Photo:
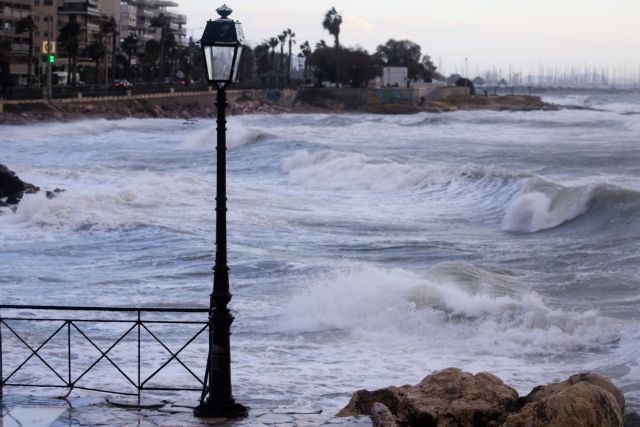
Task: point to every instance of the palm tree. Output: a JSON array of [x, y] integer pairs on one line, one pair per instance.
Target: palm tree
[[305, 49], [161, 22], [109, 28], [332, 22], [130, 46], [150, 56], [282, 37], [291, 35], [96, 51], [5, 64], [273, 43], [25, 25], [170, 46], [68, 37]]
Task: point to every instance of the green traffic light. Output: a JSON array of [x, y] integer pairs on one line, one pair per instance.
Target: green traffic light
[[52, 58]]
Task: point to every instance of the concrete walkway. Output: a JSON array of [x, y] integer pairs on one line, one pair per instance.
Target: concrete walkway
[[19, 410]]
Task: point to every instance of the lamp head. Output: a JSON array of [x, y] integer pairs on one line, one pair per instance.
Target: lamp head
[[222, 45]]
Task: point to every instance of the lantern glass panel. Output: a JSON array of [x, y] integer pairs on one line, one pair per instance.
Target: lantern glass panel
[[236, 66], [219, 62]]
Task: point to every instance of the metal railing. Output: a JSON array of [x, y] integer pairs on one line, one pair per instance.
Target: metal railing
[[70, 333]]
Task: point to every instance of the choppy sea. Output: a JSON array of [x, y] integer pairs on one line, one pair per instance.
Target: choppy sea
[[365, 250]]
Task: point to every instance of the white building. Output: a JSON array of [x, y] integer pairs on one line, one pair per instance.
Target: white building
[[395, 76]]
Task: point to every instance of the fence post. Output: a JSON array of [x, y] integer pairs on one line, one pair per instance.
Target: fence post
[[69, 352], [139, 354], [1, 355]]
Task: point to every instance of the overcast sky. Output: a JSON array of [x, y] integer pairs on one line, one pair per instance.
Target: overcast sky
[[490, 33]]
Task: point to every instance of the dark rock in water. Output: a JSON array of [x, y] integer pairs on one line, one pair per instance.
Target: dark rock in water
[[51, 194], [452, 397], [13, 188]]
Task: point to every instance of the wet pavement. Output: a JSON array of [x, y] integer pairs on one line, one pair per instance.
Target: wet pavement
[[32, 411]]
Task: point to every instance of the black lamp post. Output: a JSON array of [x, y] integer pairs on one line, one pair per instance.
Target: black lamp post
[[222, 45]]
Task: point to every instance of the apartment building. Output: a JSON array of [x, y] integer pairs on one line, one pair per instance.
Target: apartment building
[[136, 17], [11, 11], [131, 17]]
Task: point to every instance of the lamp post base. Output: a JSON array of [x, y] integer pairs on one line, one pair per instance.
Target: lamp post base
[[220, 409]]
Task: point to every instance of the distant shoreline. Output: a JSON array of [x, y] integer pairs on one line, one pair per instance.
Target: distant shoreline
[[191, 105]]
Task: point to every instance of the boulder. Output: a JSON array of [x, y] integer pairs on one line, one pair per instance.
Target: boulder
[[362, 401], [583, 400], [452, 397], [382, 416], [13, 188], [449, 397]]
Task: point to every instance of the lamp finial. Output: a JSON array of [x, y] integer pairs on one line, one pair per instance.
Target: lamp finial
[[224, 11]]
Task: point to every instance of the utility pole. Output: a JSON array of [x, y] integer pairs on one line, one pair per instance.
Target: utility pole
[[49, 27]]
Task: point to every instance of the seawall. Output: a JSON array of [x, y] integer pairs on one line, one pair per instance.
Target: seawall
[[201, 103]]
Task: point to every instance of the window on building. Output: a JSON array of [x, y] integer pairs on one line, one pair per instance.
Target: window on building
[[48, 2]]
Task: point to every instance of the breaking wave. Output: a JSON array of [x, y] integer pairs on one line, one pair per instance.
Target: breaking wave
[[453, 304], [204, 140], [542, 205], [336, 170]]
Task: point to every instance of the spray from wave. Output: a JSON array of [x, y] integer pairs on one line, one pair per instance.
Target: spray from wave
[[453, 304], [126, 200]]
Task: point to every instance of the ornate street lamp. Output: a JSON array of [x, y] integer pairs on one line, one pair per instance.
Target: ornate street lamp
[[222, 45]]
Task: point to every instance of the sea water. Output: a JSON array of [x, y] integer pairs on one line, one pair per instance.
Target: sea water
[[365, 250]]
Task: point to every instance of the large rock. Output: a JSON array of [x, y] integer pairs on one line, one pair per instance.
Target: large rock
[[452, 397], [13, 188], [582, 400], [382, 416], [447, 398]]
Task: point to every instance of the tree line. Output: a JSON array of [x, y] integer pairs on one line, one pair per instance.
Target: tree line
[[338, 65]]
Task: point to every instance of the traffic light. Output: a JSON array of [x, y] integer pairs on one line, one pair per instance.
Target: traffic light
[[52, 58]]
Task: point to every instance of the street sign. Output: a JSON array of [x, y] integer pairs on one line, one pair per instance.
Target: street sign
[[48, 49]]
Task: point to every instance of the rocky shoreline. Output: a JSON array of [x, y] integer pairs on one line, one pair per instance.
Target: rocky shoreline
[[202, 106], [451, 397]]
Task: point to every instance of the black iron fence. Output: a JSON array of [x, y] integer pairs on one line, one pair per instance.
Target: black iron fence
[[61, 92], [142, 88], [70, 343]]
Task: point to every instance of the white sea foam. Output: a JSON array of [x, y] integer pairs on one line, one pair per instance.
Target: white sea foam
[[439, 308], [334, 170], [144, 198]]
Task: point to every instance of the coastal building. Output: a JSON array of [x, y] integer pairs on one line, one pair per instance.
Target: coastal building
[[137, 17], [17, 45], [131, 17], [395, 76]]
